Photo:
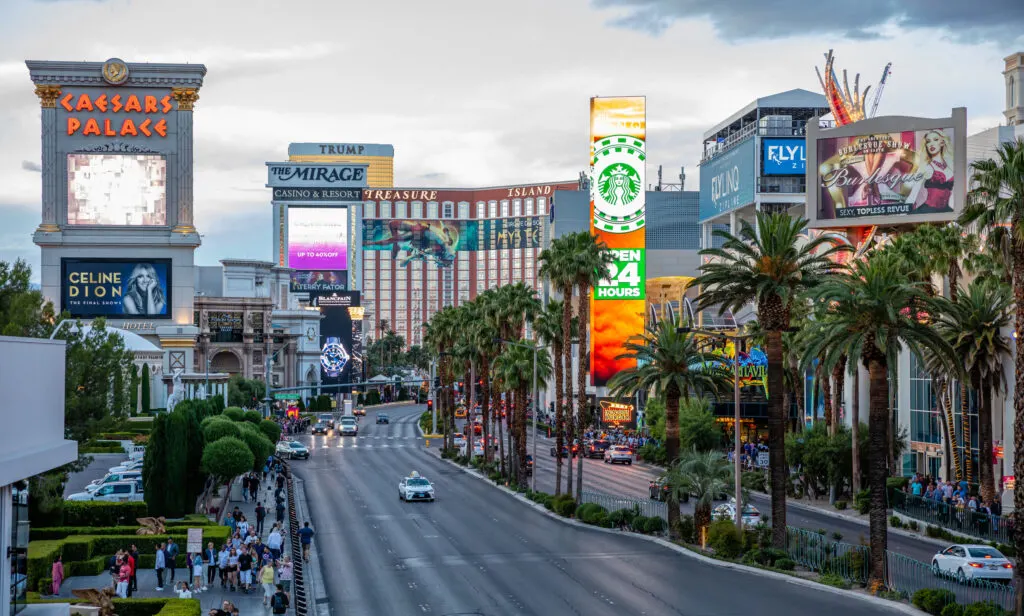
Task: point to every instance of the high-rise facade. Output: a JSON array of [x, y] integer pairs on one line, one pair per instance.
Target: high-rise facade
[[379, 158]]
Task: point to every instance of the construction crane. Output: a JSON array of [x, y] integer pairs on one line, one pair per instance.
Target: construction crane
[[880, 89]]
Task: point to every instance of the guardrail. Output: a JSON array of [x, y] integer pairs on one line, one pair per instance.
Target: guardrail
[[300, 597], [647, 507], [909, 576], [965, 521], [817, 553]]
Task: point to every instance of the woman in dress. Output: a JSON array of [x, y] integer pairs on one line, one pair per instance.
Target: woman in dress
[[284, 574], [936, 165], [197, 572], [57, 573], [142, 293]]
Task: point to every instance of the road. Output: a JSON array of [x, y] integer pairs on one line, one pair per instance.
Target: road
[[480, 551]]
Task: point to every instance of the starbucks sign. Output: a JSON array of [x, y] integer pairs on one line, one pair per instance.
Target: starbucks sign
[[617, 184]]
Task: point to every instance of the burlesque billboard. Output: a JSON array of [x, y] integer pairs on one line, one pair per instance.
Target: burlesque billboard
[[116, 288]]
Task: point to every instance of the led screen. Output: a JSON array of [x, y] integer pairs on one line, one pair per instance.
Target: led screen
[[116, 288], [317, 238], [117, 189]]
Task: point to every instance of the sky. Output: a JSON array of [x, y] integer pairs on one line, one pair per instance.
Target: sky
[[475, 92]]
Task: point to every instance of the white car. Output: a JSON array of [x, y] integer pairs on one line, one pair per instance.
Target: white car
[[415, 488], [348, 426], [727, 511], [460, 439], [478, 449], [618, 454], [292, 450], [972, 562], [120, 491], [112, 478], [127, 465]]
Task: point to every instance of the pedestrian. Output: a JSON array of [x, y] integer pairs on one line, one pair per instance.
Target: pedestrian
[[279, 602], [245, 488], [131, 567], [210, 557], [183, 591], [160, 564], [197, 572], [261, 514], [274, 542], [267, 579], [280, 511], [56, 575], [222, 564], [172, 556], [114, 569], [306, 538], [233, 569], [243, 527], [124, 574], [266, 469], [280, 482], [245, 570], [284, 574], [254, 486]]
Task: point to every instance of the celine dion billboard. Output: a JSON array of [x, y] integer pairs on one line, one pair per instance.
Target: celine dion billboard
[[889, 170], [116, 288]]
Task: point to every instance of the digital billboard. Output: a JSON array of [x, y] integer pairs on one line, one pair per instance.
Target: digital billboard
[[617, 413], [783, 156], [337, 352], [430, 241], [318, 238], [116, 288], [506, 233], [319, 282], [618, 178], [117, 189], [904, 173], [727, 181]]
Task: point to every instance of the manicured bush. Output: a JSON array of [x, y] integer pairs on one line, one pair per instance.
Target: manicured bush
[[100, 449], [270, 429], [984, 608], [218, 427], [841, 505], [933, 531], [933, 600], [253, 417], [953, 609], [592, 513], [831, 579], [724, 538], [227, 457], [234, 413], [259, 445], [895, 521], [912, 524], [178, 607], [862, 501], [564, 505], [622, 517], [95, 513], [785, 564], [648, 525], [768, 557]]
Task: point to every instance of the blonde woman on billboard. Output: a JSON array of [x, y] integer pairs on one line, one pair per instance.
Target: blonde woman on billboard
[[936, 166], [142, 293]]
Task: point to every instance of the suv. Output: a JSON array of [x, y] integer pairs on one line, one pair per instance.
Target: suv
[[595, 449], [659, 490], [116, 492], [112, 478], [326, 418], [320, 428], [348, 426]]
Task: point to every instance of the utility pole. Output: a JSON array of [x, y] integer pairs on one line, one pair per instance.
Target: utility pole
[[536, 419], [470, 403], [433, 401]]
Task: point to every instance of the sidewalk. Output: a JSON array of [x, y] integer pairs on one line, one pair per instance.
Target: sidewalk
[[248, 604]]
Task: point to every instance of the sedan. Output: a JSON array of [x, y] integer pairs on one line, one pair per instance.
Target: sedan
[[382, 418], [595, 449], [459, 439], [320, 428], [727, 511], [972, 562], [565, 452], [359, 412], [414, 489], [127, 466], [292, 450], [618, 454]]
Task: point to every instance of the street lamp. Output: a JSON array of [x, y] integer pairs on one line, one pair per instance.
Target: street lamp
[[60, 326], [735, 339], [536, 409]]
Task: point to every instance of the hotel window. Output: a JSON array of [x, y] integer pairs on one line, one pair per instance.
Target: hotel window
[[463, 276], [369, 295], [481, 209], [449, 210], [385, 296], [492, 207], [529, 207], [385, 273], [517, 207], [369, 209], [432, 284], [400, 306], [432, 298], [431, 209], [463, 296], [464, 209], [924, 414], [399, 287], [541, 206], [385, 209], [401, 210], [504, 208], [417, 209], [481, 275]]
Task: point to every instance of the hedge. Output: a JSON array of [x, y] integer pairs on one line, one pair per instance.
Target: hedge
[[60, 532], [98, 513], [138, 607], [96, 449]]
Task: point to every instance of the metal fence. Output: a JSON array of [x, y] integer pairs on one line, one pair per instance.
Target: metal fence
[[647, 507], [818, 553], [982, 525], [909, 576]]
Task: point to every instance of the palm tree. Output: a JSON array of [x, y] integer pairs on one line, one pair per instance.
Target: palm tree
[[440, 338], [866, 320], [672, 365], [515, 305], [972, 325], [418, 357], [484, 333], [768, 266], [703, 475], [549, 328], [948, 246], [556, 268], [515, 364]]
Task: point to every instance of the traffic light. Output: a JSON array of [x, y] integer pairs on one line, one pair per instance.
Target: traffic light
[[430, 405], [437, 382]]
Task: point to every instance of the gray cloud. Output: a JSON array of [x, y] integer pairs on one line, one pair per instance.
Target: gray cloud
[[28, 165], [1002, 20]]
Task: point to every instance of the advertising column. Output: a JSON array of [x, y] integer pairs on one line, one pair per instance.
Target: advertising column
[[618, 132]]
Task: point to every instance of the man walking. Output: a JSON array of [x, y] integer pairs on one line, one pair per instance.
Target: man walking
[[279, 602], [210, 556], [171, 556], [133, 584], [306, 538], [245, 488], [161, 563], [274, 542], [280, 511], [261, 514]]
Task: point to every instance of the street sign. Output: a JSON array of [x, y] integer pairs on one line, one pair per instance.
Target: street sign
[[195, 540], [286, 395], [762, 459]]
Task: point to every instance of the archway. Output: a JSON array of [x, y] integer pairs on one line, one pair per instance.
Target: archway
[[226, 361]]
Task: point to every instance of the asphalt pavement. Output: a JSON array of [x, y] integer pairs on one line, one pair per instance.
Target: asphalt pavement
[[100, 465], [480, 551]]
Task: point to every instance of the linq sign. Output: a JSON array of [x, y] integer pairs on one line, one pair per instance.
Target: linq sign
[[117, 126]]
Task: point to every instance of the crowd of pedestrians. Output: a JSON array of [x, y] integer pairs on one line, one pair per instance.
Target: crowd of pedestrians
[[951, 504]]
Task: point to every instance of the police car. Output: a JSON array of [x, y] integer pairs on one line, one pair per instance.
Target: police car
[[415, 488]]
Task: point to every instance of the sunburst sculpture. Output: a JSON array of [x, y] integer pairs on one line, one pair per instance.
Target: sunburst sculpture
[[151, 526], [103, 599]]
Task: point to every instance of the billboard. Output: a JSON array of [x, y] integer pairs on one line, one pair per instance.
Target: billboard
[[319, 282], [430, 241], [117, 189], [783, 156], [336, 336], [617, 413], [887, 171], [116, 288], [727, 181], [316, 175], [618, 178], [505, 233], [318, 238]]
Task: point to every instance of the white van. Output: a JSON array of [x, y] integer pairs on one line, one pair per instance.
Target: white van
[[116, 492], [112, 478]]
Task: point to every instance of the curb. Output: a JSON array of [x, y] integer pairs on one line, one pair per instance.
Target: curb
[[876, 601], [317, 590]]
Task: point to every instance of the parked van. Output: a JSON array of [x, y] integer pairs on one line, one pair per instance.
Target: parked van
[[114, 477], [115, 492]]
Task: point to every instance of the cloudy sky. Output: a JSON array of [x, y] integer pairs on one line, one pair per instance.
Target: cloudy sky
[[476, 92]]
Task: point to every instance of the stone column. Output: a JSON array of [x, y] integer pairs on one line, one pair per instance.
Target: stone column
[[48, 95], [186, 98]]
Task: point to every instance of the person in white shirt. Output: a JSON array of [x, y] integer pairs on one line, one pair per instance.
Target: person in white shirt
[[183, 591], [274, 542]]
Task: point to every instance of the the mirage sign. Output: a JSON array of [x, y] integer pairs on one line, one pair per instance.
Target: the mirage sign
[[315, 175]]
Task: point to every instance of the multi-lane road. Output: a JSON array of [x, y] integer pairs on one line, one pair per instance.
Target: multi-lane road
[[480, 551]]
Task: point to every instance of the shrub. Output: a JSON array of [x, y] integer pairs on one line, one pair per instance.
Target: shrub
[[984, 608], [838, 536], [841, 505], [895, 522], [896, 483], [725, 539], [253, 417], [227, 457], [218, 427], [912, 524], [564, 505], [258, 444], [622, 517], [785, 564], [863, 501], [755, 480], [831, 579], [1007, 550], [933, 531], [649, 525], [686, 529], [234, 413], [933, 600], [953, 609], [93, 513]]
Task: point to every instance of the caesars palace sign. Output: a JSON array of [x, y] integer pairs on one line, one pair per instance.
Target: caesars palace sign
[[117, 125]]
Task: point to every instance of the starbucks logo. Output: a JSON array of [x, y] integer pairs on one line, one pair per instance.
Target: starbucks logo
[[617, 184]]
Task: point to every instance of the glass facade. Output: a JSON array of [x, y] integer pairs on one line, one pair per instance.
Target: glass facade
[[19, 545], [925, 419]]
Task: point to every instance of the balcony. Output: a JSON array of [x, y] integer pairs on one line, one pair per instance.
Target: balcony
[[782, 185], [796, 128]]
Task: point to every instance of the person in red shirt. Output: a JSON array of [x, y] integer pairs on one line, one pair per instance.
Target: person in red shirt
[[130, 561], [124, 573]]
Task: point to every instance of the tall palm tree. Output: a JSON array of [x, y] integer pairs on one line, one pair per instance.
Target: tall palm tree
[[972, 324], [948, 246], [484, 333], [440, 338], [866, 320], [769, 266], [703, 475], [672, 365], [516, 305], [591, 263], [549, 328], [556, 268], [515, 363]]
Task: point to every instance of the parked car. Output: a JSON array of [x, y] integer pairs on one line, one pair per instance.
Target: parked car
[[727, 511], [117, 492], [113, 477], [973, 562], [126, 466]]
